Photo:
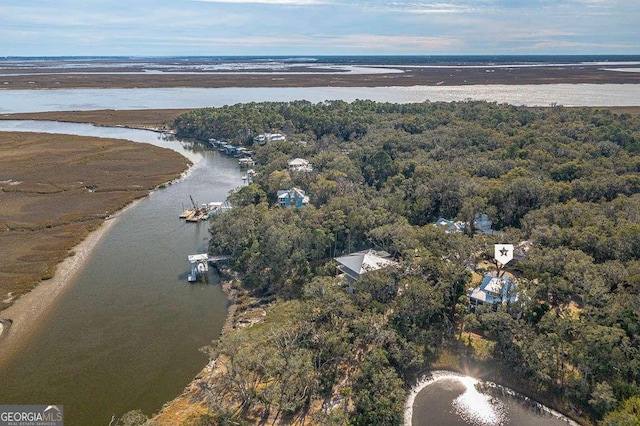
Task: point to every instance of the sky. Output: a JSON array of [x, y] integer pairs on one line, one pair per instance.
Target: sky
[[318, 27]]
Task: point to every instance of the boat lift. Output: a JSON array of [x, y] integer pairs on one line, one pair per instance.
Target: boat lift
[[199, 265]]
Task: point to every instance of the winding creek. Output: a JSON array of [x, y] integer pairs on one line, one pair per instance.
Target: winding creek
[[126, 333]]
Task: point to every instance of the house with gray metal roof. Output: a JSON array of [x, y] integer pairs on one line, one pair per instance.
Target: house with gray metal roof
[[356, 264]]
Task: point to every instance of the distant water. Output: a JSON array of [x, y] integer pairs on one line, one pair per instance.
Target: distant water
[[74, 61], [12, 101], [88, 99]]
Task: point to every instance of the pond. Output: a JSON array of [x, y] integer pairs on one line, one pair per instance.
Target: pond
[[445, 398]]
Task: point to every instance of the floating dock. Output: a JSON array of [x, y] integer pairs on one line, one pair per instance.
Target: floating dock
[[205, 211]]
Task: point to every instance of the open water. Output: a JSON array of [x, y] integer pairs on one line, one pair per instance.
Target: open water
[[531, 95]]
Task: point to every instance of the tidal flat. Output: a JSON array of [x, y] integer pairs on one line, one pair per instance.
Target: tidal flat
[[156, 73]]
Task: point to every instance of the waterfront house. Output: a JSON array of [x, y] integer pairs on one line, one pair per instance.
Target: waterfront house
[[356, 264], [292, 197], [299, 165], [269, 137], [492, 290]]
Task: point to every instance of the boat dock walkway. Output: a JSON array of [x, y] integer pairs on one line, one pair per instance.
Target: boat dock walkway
[[220, 258]]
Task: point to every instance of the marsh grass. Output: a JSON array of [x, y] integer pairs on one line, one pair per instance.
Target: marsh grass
[[50, 210]]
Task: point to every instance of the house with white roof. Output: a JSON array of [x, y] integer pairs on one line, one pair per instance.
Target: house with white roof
[[449, 226], [481, 223], [492, 290], [269, 137], [299, 165], [356, 264]]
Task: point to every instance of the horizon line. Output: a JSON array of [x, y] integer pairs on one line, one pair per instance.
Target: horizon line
[[312, 56]]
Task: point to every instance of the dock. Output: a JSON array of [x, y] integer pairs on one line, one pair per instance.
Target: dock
[[205, 211], [244, 155], [246, 162], [199, 265]]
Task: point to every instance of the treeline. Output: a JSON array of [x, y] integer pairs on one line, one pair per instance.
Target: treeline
[[566, 179], [239, 123]]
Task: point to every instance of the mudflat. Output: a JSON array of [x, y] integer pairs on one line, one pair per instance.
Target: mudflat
[[56, 189], [449, 75]]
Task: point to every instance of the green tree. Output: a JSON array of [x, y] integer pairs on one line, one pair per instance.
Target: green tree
[[628, 414], [378, 392]]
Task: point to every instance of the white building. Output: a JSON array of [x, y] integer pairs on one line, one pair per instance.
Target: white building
[[269, 137], [492, 290], [299, 165]]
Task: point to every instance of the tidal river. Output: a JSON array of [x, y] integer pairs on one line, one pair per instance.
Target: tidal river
[[126, 333], [525, 94]]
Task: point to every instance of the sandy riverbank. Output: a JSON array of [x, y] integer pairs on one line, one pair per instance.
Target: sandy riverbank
[[44, 248], [244, 311], [28, 313]]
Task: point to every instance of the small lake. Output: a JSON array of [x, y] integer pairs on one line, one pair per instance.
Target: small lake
[[126, 333], [533, 95], [450, 399]]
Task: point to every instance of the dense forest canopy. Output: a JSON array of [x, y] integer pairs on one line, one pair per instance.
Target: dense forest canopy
[[566, 180]]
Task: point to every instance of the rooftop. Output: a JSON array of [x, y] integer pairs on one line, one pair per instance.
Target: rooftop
[[361, 262], [494, 290]]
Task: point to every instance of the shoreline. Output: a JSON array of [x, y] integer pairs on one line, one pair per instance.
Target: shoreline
[[155, 120], [181, 406], [28, 312], [20, 321]]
